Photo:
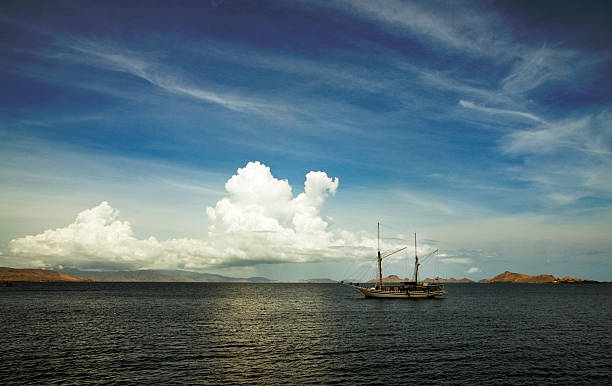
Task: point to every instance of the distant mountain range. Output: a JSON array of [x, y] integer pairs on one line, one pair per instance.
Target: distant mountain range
[[159, 275], [15, 274]]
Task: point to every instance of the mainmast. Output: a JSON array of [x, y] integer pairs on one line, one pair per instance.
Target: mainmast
[[416, 262], [379, 261]]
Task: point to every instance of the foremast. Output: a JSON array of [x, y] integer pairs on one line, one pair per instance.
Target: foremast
[[380, 257], [380, 282], [416, 262]]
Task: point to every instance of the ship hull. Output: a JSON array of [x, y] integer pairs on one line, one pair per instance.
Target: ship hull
[[401, 294]]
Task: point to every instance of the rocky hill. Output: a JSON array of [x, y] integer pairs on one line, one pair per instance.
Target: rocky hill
[[513, 277], [15, 274], [389, 279]]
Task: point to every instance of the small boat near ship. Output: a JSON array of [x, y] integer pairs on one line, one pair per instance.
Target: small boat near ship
[[401, 290]]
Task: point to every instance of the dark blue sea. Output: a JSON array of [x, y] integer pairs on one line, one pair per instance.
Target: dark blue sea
[[79, 333]]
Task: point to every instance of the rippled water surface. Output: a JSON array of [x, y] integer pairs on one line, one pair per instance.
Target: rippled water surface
[[303, 333]]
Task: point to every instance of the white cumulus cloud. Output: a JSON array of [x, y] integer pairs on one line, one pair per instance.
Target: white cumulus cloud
[[258, 221]]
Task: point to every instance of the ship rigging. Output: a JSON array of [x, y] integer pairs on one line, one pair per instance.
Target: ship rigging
[[402, 290]]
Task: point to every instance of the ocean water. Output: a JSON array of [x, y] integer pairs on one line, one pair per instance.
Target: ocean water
[[303, 333]]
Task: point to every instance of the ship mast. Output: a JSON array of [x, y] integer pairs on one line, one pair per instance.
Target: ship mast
[[379, 261], [380, 257], [416, 262]]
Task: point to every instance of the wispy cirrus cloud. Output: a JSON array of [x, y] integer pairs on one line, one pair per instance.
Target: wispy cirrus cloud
[[449, 83], [538, 66], [588, 134], [460, 28], [111, 56], [424, 203], [564, 198], [567, 160], [493, 110], [329, 71], [119, 59], [476, 31]]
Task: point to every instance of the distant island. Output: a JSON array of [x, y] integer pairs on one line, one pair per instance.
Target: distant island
[[505, 277], [38, 275], [513, 277]]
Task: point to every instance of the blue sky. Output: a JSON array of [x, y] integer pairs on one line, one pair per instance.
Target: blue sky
[[483, 126]]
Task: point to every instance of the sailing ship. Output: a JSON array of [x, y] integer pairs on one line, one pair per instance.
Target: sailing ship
[[402, 290]]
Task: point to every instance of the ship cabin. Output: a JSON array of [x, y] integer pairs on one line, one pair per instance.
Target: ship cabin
[[410, 286]]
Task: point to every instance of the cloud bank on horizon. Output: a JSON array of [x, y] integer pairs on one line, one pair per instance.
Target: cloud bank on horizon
[[258, 222]]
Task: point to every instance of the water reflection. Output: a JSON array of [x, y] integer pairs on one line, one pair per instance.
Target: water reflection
[[302, 333]]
